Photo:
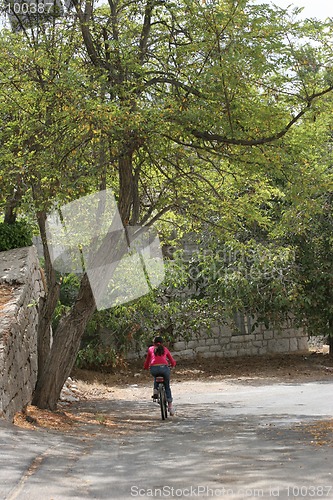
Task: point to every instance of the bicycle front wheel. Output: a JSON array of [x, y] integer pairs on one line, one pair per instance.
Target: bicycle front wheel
[[163, 402]]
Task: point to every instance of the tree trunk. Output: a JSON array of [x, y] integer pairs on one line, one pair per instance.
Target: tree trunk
[[47, 304], [57, 367], [126, 181], [11, 207], [63, 352], [10, 215], [67, 338]]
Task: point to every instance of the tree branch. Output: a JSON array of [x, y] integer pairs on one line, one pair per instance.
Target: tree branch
[[208, 136], [157, 216], [145, 30], [176, 83], [84, 18]]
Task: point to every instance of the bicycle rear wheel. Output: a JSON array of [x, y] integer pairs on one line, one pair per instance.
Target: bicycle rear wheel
[[163, 402]]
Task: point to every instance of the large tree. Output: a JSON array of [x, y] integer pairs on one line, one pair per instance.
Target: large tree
[[160, 101], [306, 218]]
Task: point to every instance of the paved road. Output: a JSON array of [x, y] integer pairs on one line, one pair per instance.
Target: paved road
[[231, 441]]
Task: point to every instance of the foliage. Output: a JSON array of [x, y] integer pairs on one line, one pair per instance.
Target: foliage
[[250, 277], [185, 124], [98, 357], [211, 285], [305, 217], [15, 235], [315, 263], [69, 289], [172, 311], [40, 145]]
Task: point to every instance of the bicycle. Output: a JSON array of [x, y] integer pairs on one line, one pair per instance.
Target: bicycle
[[161, 397]]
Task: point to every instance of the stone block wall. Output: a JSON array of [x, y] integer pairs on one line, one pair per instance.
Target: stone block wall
[[225, 341], [21, 286], [239, 339]]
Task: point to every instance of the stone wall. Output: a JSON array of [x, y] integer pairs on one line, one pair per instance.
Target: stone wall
[[239, 338], [20, 288], [226, 341]]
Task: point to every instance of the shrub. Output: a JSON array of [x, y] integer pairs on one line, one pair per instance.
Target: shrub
[[15, 235], [99, 357]]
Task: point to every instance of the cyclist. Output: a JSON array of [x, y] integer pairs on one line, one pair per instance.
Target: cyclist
[[157, 361]]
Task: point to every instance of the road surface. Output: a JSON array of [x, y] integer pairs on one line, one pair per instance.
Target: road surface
[[227, 440]]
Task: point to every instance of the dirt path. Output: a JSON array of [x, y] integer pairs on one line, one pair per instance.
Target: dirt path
[[261, 369], [103, 401]]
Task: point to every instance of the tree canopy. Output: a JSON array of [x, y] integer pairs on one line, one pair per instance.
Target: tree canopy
[[196, 114]]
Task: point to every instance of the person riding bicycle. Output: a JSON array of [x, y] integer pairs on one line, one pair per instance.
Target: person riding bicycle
[[157, 361]]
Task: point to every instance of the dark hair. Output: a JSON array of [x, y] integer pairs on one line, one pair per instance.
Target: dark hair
[[159, 350], [158, 340]]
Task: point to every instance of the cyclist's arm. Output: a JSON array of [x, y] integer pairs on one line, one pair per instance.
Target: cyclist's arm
[[170, 359], [147, 361]]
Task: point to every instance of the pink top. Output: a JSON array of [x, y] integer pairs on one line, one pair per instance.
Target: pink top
[[152, 360]]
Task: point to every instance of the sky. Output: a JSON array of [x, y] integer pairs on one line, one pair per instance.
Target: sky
[[321, 9]]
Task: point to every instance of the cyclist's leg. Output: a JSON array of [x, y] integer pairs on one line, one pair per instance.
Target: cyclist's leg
[[166, 374], [154, 372]]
